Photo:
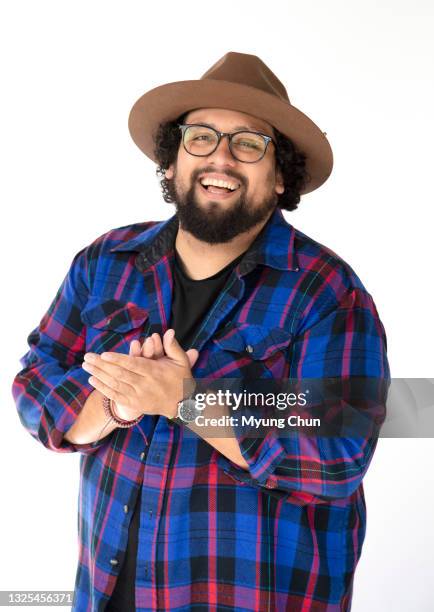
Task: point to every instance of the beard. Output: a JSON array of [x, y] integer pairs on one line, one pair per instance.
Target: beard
[[215, 222]]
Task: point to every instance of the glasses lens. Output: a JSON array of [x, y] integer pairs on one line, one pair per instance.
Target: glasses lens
[[248, 147], [200, 140]]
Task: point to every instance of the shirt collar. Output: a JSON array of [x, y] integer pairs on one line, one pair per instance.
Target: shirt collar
[[273, 246]]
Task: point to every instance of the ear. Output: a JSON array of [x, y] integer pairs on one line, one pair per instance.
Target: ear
[[169, 172], [280, 187]]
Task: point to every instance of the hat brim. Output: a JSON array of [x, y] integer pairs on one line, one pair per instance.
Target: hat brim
[[169, 101]]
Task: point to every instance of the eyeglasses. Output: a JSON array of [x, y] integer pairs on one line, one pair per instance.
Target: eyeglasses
[[202, 140]]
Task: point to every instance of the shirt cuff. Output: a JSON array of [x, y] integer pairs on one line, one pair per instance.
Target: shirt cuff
[[62, 408], [262, 463]]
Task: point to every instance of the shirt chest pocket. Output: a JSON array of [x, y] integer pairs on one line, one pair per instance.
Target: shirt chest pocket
[[250, 351], [112, 324]]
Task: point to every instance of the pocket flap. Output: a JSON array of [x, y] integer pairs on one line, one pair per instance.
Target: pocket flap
[[257, 341], [113, 314]]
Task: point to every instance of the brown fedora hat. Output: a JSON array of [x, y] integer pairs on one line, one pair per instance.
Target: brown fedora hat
[[239, 82]]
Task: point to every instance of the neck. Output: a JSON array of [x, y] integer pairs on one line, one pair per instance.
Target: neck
[[202, 260]]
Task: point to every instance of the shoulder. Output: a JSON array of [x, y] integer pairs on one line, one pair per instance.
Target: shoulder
[[320, 260], [326, 281], [117, 236], [96, 257]]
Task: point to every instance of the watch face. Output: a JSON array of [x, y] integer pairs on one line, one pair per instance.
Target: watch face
[[188, 411]]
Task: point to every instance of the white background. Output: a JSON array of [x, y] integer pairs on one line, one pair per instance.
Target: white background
[[70, 172]]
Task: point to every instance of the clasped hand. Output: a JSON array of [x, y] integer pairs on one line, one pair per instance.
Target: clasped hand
[[151, 379]]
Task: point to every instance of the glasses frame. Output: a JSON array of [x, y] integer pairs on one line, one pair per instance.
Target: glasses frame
[[183, 127]]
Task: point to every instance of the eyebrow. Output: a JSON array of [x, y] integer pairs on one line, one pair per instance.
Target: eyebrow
[[237, 127]]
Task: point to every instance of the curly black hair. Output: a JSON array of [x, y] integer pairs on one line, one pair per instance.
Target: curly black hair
[[291, 162]]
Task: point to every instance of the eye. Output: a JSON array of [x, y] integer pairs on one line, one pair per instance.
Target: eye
[[195, 136], [248, 142], [202, 137], [251, 145]]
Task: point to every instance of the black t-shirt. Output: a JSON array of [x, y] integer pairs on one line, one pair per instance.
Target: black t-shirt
[[191, 301]]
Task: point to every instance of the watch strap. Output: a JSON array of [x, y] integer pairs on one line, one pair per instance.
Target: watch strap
[[177, 419]]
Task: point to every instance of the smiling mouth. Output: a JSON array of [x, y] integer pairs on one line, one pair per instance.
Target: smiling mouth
[[219, 187]]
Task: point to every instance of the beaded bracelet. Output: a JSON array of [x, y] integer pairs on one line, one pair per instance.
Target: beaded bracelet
[[109, 410]]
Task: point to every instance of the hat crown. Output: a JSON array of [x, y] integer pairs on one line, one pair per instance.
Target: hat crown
[[246, 69]]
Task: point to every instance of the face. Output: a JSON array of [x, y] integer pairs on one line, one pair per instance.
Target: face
[[217, 216]]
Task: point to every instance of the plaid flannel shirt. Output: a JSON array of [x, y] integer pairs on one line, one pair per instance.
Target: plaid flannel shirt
[[285, 535]]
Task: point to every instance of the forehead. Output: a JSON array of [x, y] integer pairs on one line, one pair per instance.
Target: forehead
[[228, 120]]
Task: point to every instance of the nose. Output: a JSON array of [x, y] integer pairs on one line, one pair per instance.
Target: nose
[[222, 154]]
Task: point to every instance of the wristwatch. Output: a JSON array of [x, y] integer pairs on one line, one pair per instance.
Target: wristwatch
[[187, 411]]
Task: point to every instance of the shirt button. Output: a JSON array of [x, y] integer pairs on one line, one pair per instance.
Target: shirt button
[[249, 348], [271, 484], [142, 455], [114, 561], [125, 508]]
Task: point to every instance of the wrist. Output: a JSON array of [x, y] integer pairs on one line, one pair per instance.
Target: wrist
[[121, 411], [189, 388], [172, 413], [109, 410]]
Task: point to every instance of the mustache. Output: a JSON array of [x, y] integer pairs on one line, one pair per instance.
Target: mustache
[[209, 170]]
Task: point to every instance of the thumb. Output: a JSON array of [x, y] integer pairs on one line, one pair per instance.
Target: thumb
[[192, 355], [172, 348]]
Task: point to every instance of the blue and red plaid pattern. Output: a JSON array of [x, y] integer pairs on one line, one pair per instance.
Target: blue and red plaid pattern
[[285, 535]]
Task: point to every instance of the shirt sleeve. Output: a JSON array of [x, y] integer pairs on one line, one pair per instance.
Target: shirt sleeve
[[52, 387], [348, 344]]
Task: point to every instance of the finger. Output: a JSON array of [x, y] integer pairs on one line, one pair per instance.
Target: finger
[[158, 346], [115, 376], [135, 348], [115, 396], [148, 348], [138, 365]]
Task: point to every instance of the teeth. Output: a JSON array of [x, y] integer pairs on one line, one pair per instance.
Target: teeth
[[219, 183]]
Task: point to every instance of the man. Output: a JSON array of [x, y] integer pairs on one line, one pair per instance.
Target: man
[[171, 517]]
